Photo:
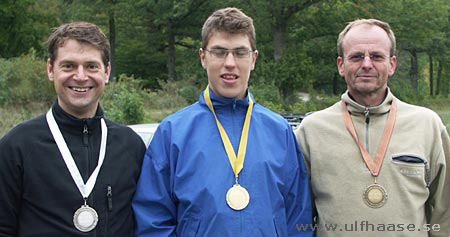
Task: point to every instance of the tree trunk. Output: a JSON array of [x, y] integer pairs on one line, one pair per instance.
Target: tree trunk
[[171, 49], [278, 35], [430, 57], [335, 83], [439, 76], [112, 42], [414, 70]]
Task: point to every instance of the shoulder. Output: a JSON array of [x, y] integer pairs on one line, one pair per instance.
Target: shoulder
[[266, 116], [28, 129], [185, 116], [417, 114], [326, 115]]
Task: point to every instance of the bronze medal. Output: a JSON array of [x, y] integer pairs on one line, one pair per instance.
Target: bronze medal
[[237, 197], [85, 218], [375, 196]]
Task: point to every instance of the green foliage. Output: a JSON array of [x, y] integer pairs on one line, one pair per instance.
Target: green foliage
[[24, 80], [403, 90], [123, 101], [285, 76], [315, 103]]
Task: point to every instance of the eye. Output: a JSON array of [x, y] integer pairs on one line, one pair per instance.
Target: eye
[[66, 66], [356, 57], [92, 67], [220, 53], [241, 53], [377, 57]]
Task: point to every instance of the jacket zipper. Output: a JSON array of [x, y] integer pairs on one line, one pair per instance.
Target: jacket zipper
[[110, 206], [366, 114], [86, 146]]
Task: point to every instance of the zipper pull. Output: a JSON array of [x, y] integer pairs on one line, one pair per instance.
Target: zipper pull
[[85, 135], [366, 113], [109, 195], [85, 129]]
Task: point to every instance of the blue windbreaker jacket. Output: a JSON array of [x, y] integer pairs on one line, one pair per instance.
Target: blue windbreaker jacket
[[186, 174]]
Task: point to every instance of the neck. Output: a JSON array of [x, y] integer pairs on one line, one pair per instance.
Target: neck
[[81, 113], [368, 100]]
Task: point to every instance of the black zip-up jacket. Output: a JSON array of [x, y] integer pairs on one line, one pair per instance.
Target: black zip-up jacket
[[38, 196]]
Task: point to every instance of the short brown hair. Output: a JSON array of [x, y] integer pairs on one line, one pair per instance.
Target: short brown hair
[[374, 22], [229, 20], [80, 31]]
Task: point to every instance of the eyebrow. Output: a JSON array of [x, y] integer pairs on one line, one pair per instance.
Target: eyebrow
[[237, 48], [370, 52], [74, 62]]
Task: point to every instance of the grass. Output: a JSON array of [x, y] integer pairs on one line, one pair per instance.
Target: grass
[[443, 109], [11, 115]]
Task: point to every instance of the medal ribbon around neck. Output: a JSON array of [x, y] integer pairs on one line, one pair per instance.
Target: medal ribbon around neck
[[85, 189], [236, 163], [373, 165]]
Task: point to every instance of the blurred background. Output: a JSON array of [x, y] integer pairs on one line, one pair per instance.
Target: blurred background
[[156, 69]]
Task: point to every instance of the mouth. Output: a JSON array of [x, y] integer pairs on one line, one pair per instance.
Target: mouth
[[80, 89], [229, 78], [364, 76]]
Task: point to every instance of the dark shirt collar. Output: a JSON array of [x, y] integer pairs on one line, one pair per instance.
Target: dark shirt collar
[[68, 122], [224, 102]]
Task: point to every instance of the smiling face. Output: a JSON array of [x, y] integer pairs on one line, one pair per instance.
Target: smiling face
[[366, 77], [228, 77], [79, 77]]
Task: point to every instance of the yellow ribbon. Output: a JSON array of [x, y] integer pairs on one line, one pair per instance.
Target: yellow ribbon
[[236, 163]]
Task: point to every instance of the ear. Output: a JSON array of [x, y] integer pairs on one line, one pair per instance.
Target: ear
[[108, 72], [393, 64], [202, 57], [254, 56], [340, 65], [49, 70]]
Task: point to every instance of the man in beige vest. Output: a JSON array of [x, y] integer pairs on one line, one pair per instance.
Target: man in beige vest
[[378, 166]]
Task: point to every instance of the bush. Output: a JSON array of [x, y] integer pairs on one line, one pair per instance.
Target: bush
[[24, 80], [123, 101]]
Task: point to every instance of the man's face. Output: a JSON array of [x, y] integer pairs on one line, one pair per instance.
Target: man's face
[[79, 76], [366, 64], [228, 74]]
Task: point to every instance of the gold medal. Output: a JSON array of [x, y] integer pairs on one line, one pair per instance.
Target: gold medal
[[237, 197], [375, 196], [85, 218]]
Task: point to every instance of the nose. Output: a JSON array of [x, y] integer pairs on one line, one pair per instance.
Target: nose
[[80, 74], [367, 62], [230, 60]]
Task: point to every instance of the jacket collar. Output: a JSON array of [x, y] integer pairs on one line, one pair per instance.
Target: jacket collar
[[354, 107], [68, 122], [219, 102]]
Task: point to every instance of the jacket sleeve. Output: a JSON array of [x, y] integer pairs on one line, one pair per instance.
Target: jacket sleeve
[[298, 201], [153, 204], [10, 186], [438, 205]]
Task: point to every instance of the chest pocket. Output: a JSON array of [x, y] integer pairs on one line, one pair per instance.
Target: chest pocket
[[189, 227], [412, 161]]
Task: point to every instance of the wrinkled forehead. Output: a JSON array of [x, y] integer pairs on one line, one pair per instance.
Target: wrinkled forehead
[[366, 38]]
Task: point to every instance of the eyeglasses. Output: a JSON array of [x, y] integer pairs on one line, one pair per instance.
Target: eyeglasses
[[358, 58], [223, 53]]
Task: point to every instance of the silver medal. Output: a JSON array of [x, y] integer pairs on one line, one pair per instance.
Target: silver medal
[[85, 218]]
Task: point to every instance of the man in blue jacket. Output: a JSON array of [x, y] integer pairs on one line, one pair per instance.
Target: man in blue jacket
[[224, 166]]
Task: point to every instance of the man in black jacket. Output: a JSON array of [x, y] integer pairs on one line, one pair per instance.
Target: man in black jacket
[[71, 172]]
